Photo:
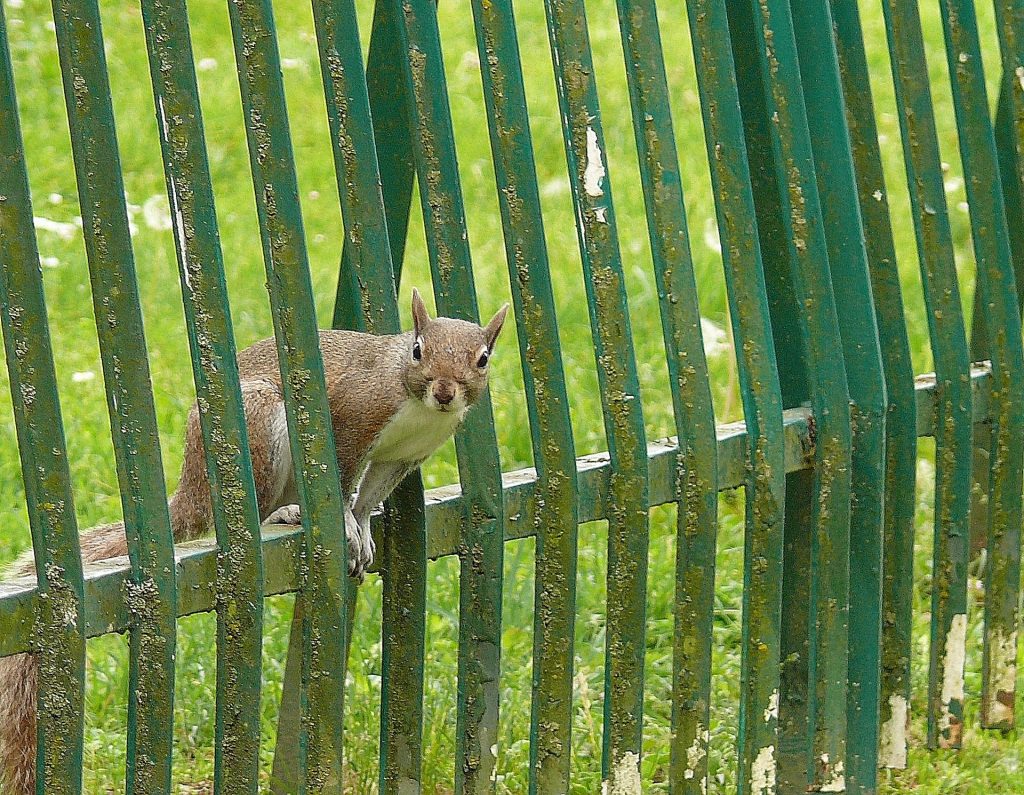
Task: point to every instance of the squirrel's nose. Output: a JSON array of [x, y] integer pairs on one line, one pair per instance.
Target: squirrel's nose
[[444, 394]]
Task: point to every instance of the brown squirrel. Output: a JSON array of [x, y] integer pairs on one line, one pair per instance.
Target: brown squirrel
[[393, 399]]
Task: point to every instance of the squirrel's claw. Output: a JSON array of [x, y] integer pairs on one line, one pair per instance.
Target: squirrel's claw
[[360, 547]]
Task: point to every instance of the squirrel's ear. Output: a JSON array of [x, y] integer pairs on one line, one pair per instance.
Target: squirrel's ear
[[493, 328], [420, 317]]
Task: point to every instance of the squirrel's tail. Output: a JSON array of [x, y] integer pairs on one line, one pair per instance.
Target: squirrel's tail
[[190, 515], [18, 676], [20, 672]]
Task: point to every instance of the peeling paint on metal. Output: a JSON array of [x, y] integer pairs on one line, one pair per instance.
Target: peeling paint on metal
[[892, 742], [762, 772], [771, 712], [837, 781], [627, 777], [1002, 663], [953, 664], [696, 753], [594, 173]]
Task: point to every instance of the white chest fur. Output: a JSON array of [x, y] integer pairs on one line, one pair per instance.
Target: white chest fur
[[414, 432]]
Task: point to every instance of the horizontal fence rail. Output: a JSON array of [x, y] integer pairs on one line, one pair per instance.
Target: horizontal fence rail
[[196, 561], [807, 247]]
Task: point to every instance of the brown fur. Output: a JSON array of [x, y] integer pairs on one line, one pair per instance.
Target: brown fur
[[368, 379]]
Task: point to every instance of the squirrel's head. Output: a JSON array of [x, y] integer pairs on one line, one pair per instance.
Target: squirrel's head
[[449, 359]]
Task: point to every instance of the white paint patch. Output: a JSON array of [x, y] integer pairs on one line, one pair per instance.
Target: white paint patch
[[892, 740], [601, 214], [878, 194], [953, 668], [696, 753], [1003, 676], [594, 173], [838, 781], [772, 710], [179, 226], [1019, 71], [627, 777], [415, 431], [762, 772]]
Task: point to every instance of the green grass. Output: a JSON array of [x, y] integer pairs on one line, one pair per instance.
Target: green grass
[[989, 763]]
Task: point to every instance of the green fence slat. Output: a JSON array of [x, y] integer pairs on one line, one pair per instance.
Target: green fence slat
[[403, 569], [1010, 125], [620, 391], [1010, 144], [221, 414], [366, 294], [996, 284], [762, 399], [389, 109], [697, 512], [1010, 30], [1009, 130], [791, 757], [952, 368], [288, 761], [403, 624], [366, 301], [287, 767], [59, 633], [302, 375], [151, 595], [806, 329], [546, 396], [851, 285], [476, 443], [900, 447]]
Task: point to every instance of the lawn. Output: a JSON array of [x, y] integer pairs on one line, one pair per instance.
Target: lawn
[[989, 763]]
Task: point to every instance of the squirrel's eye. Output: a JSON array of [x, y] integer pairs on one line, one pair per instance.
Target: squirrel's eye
[[417, 352], [482, 361]]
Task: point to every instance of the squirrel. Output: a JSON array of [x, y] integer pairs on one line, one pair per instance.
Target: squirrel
[[393, 400]]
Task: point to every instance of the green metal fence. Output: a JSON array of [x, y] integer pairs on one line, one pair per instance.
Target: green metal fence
[[826, 456]]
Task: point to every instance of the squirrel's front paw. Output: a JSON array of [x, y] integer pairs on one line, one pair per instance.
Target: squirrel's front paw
[[286, 514], [360, 547]]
